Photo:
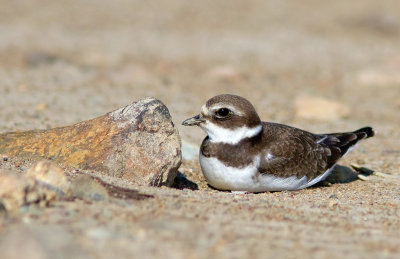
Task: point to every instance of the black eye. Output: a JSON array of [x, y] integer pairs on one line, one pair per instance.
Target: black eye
[[223, 112]]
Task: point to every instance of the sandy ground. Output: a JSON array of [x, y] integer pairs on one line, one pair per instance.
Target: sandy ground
[[66, 61]]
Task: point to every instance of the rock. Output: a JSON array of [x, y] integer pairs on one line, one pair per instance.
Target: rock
[[14, 189], [44, 182], [3, 158], [333, 196], [333, 203], [50, 176], [138, 142], [87, 188], [308, 107]]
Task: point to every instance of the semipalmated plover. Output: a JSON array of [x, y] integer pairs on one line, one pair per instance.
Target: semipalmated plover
[[241, 153]]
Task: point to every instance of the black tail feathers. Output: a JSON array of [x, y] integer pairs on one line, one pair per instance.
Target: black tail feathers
[[369, 132], [340, 143]]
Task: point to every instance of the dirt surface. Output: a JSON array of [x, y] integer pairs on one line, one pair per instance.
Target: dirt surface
[[66, 61]]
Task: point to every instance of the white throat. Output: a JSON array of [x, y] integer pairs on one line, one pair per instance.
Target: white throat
[[229, 136]]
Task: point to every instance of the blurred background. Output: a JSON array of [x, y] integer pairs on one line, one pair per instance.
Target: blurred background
[[324, 66], [66, 61]]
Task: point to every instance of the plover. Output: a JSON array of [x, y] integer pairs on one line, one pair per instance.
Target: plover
[[242, 153]]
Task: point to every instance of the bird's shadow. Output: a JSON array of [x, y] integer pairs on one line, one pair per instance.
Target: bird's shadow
[[340, 174]]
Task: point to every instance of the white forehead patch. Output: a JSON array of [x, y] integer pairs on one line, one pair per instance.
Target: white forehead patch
[[229, 136], [204, 110]]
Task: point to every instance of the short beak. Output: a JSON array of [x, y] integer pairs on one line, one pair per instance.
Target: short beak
[[196, 120]]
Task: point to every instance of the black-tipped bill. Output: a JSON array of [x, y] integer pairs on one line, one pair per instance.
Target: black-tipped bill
[[196, 120]]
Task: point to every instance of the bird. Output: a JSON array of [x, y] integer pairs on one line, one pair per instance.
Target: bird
[[242, 153]]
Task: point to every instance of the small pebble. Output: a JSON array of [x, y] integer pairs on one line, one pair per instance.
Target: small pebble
[[364, 172], [362, 177], [333, 196], [333, 203], [50, 176]]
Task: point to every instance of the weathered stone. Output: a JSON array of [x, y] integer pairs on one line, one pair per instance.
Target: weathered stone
[[50, 176], [138, 142], [308, 107], [14, 189], [44, 182]]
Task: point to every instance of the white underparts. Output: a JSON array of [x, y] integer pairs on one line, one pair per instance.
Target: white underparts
[[249, 179], [229, 136]]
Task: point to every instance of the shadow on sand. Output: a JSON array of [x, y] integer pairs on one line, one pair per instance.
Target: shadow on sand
[[181, 182]]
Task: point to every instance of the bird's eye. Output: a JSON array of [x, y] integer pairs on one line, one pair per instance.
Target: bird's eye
[[223, 112]]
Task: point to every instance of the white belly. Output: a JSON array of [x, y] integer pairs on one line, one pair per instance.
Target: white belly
[[224, 177]]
